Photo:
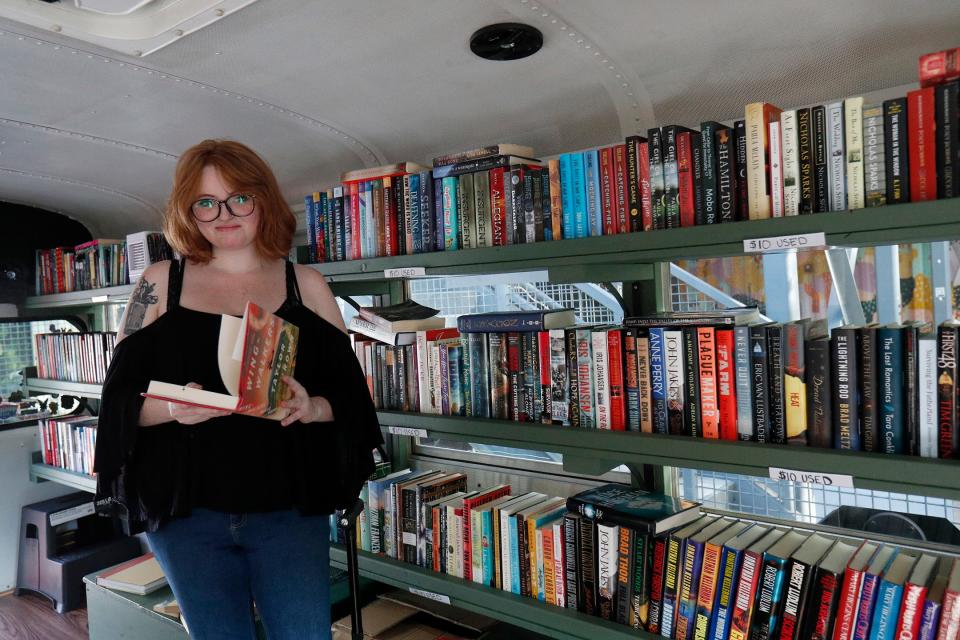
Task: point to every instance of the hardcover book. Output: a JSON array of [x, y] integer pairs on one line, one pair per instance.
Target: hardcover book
[[874, 156], [879, 563], [758, 116], [694, 568], [798, 575], [650, 513], [729, 572], [849, 596], [914, 595], [710, 579], [673, 569], [747, 582], [825, 592], [501, 322], [254, 354], [886, 615], [896, 150], [771, 585]]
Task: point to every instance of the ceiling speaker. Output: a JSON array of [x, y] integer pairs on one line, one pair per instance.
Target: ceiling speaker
[[506, 41]]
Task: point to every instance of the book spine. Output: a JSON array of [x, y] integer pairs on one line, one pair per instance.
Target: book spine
[[587, 567], [451, 225], [743, 601], [559, 561], [853, 128], [869, 409], [658, 382], [740, 147], [797, 579], [692, 568], [874, 154], [439, 235], [886, 614], [948, 138], [674, 381], [709, 400], [670, 587], [726, 175], [848, 601], [910, 390], [805, 161], [929, 620], [556, 200], [566, 195], [757, 116], [643, 380], [743, 369], [547, 581], [527, 228], [541, 192], [601, 378], [950, 616], [730, 569], [923, 144], [726, 384], [671, 177], [836, 166], [890, 354], [846, 409], [707, 591], [427, 226], [657, 573], [621, 594], [620, 188], [615, 371], [559, 378], [911, 611], [639, 586], [819, 400], [466, 201], [631, 379], [794, 384], [776, 170], [581, 224], [692, 414], [635, 182], [867, 604], [710, 182], [308, 208], [608, 537], [658, 208], [571, 568], [528, 351], [771, 588], [927, 401], [897, 150], [686, 197], [775, 372], [790, 167], [821, 179], [947, 371], [822, 605], [760, 380], [585, 379], [598, 165]]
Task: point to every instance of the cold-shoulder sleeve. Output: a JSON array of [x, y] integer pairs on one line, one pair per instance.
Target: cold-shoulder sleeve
[[336, 457]]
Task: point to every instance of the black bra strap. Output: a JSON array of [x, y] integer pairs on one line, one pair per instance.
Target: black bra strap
[[175, 283], [293, 289]]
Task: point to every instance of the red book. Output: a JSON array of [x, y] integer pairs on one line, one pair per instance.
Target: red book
[[846, 618], [922, 125], [726, 384], [950, 614], [618, 409], [685, 171], [441, 334], [620, 184], [750, 571], [914, 597], [391, 245], [470, 503], [607, 191], [646, 201], [656, 584], [543, 354], [709, 402], [355, 219], [498, 207], [939, 67], [514, 402]]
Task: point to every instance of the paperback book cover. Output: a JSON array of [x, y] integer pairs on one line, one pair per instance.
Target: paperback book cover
[[643, 511], [254, 353]]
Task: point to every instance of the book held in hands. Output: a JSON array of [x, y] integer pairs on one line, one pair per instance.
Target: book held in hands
[[254, 353]]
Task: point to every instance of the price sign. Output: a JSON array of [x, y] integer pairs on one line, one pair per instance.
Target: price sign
[[807, 477], [73, 513], [96, 299], [777, 244], [404, 272], [438, 597], [407, 431]]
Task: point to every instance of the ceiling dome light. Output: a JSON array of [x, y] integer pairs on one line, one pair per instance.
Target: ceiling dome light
[[506, 41]]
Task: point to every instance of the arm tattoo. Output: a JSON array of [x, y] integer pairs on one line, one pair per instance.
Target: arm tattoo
[[142, 297]]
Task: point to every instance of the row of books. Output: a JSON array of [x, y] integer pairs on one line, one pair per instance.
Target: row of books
[[69, 443], [75, 357], [95, 264], [655, 563], [889, 389], [835, 157]]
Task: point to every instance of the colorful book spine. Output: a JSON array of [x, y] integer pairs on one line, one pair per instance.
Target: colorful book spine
[[886, 615], [896, 150], [565, 168], [731, 562], [821, 160], [601, 378], [789, 164], [923, 144], [743, 602], [657, 573], [846, 408], [581, 223], [744, 390], [874, 156], [597, 176], [853, 129], [693, 569], [556, 199], [658, 209], [947, 108], [947, 374], [890, 352], [658, 381]]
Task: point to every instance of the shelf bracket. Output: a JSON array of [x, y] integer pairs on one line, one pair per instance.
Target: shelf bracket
[[586, 465]]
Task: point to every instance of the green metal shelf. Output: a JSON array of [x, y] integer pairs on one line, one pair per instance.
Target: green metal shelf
[[79, 389], [607, 449], [523, 612], [629, 256], [107, 295], [40, 472]]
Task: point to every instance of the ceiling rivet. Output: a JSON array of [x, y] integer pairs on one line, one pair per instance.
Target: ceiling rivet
[[218, 12], [178, 32], [57, 28], [138, 53]]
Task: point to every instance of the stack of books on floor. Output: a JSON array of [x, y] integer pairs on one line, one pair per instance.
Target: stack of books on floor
[[725, 375], [657, 563], [840, 156]]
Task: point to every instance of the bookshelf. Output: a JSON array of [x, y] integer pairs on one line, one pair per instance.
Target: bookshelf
[[40, 472], [528, 613], [79, 389], [108, 295]]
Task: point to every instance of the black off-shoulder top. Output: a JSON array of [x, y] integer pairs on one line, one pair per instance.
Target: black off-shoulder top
[[234, 464]]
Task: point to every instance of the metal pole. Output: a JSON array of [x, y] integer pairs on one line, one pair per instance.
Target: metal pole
[[348, 520]]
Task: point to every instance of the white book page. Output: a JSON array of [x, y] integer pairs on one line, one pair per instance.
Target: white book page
[[227, 358]]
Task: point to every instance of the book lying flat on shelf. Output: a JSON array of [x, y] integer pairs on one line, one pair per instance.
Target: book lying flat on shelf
[[406, 316], [647, 512], [141, 576], [254, 353], [504, 321]]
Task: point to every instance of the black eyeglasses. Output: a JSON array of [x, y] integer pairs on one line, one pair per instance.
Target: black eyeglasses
[[240, 205]]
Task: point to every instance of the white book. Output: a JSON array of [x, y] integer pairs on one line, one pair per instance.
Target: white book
[[423, 373], [874, 156], [776, 170], [506, 513], [853, 112], [790, 164], [601, 379], [363, 327], [559, 571], [836, 159], [559, 376], [436, 379], [927, 390], [608, 557], [455, 540], [675, 380]]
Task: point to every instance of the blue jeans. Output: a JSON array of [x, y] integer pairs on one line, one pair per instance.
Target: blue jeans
[[217, 563]]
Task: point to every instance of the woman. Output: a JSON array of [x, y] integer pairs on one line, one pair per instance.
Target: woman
[[234, 506]]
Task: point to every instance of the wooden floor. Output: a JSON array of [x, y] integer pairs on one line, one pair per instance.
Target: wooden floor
[[31, 617]]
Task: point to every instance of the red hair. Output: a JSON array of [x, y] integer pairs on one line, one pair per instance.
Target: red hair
[[243, 170]]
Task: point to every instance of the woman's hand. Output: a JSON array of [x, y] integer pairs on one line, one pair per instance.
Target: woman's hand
[[189, 414], [304, 408]]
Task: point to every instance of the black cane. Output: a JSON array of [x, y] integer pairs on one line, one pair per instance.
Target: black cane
[[348, 520]]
